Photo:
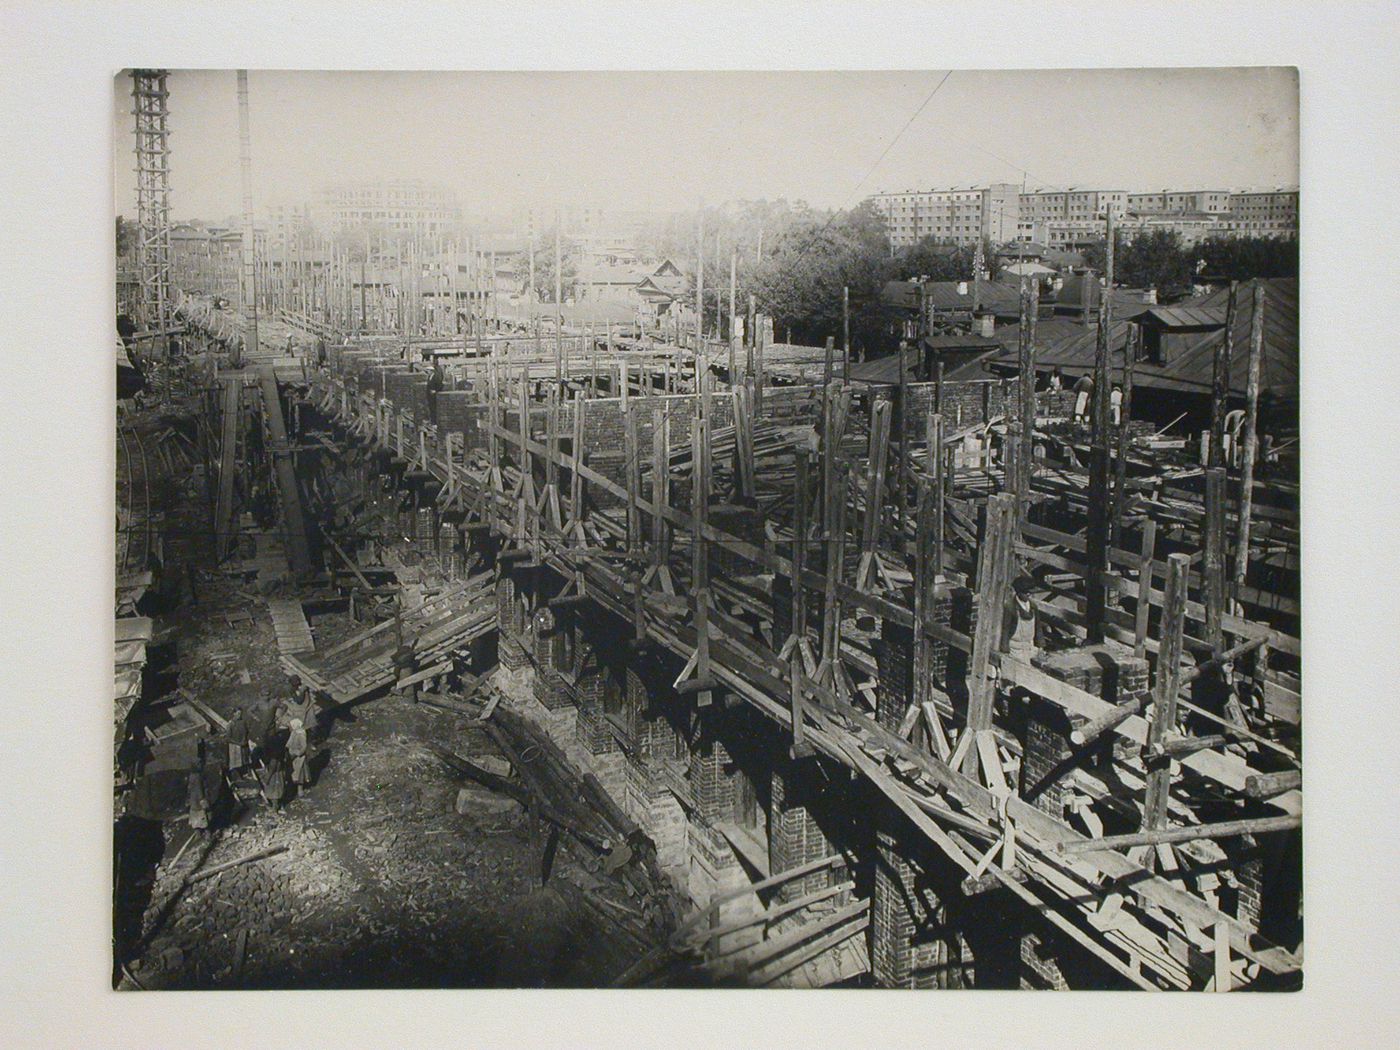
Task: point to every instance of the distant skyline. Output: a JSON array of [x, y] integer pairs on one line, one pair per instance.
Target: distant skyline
[[664, 141]]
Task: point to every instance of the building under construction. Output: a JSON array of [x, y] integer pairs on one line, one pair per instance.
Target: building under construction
[[475, 652]]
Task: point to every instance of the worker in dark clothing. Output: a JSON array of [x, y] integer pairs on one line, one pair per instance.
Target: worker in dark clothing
[[436, 382], [321, 357], [1019, 619], [236, 734]]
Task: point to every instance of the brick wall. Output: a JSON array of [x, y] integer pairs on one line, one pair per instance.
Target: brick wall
[[974, 401], [460, 412]]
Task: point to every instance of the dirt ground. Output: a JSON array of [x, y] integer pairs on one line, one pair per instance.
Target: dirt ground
[[381, 882]]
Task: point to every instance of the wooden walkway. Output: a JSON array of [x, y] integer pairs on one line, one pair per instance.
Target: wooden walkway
[[293, 632]]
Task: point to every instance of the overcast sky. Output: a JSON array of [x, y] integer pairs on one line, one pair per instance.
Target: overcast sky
[[665, 140]]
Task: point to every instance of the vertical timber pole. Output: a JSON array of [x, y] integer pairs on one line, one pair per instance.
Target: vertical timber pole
[[845, 333], [1030, 305], [1125, 415], [1251, 433], [1220, 382], [1167, 685], [733, 296], [245, 168], [1097, 539]]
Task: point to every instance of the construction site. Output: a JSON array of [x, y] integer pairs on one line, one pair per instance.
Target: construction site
[[459, 645]]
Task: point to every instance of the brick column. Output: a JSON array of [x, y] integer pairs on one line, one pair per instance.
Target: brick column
[[1114, 676], [510, 646], [794, 836], [713, 787], [894, 662], [653, 769], [904, 951]]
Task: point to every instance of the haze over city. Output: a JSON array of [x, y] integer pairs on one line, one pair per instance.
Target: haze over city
[[662, 141]]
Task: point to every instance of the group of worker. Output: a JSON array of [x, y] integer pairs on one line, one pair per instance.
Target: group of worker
[[1084, 395], [276, 740]]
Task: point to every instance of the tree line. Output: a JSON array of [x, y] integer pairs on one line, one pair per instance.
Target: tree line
[[795, 260]]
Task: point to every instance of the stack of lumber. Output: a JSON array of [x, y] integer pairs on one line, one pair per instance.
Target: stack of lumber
[[577, 805], [416, 644]]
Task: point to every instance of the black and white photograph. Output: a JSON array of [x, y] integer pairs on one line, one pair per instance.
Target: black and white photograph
[[590, 530], [686, 525]]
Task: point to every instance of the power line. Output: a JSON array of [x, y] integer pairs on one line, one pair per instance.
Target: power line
[[886, 152]]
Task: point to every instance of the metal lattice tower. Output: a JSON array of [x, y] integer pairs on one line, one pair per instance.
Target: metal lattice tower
[[149, 94]]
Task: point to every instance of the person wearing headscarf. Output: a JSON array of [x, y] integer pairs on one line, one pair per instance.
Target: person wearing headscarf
[[298, 750]]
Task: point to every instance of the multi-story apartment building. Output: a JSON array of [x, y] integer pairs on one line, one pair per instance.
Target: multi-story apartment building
[[1203, 202], [960, 215], [1264, 213], [400, 205], [1071, 205]]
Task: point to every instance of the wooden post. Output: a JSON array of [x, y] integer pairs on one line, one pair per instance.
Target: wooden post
[[801, 496], [660, 484], [800, 747], [699, 285], [760, 343], [830, 356], [733, 293], [937, 452], [700, 564], [874, 491], [993, 578], [634, 487], [846, 333], [1030, 305], [901, 431], [743, 439], [835, 524], [699, 498], [1144, 595], [1125, 415], [1167, 684], [1251, 433], [1097, 537], [750, 335], [558, 300], [1220, 382], [1214, 561]]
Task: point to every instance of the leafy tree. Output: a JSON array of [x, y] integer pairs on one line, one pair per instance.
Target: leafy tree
[[1241, 258], [801, 281], [1095, 255], [937, 262], [544, 270], [1157, 259], [126, 236]]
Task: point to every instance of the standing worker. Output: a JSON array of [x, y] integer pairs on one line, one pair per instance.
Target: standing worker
[[1084, 390], [236, 735], [1115, 405], [436, 382], [1019, 620], [298, 751]]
